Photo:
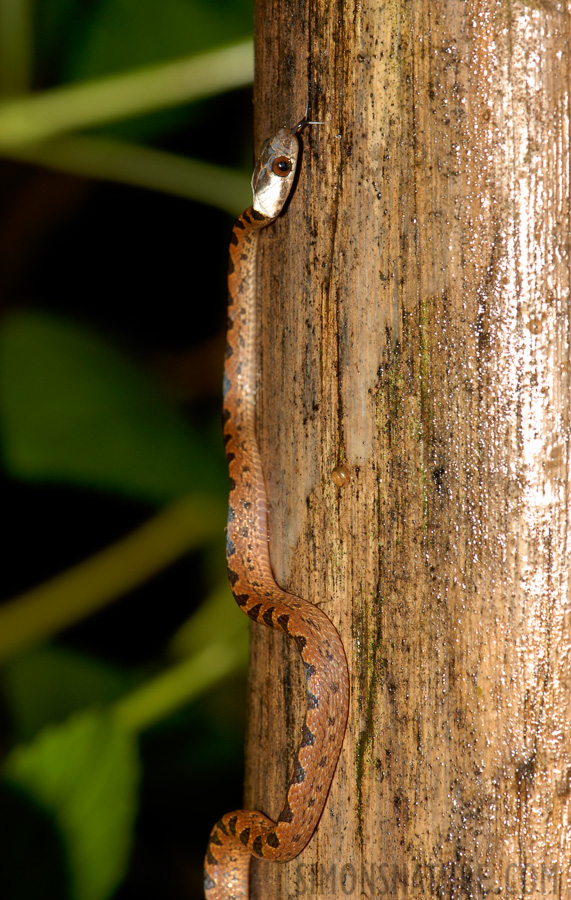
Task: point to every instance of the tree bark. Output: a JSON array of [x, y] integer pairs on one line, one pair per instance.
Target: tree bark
[[415, 328]]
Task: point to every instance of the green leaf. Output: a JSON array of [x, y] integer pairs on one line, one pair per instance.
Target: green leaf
[[85, 773], [74, 410], [49, 684]]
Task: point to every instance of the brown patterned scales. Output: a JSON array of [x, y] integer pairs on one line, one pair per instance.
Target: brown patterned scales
[[241, 834]]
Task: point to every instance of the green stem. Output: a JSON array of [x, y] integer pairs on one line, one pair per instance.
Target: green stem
[[179, 685], [40, 613], [96, 157], [95, 103]]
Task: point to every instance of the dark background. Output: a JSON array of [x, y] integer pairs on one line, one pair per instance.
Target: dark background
[[144, 274]]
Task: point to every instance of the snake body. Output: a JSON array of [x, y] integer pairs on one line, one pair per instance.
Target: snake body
[[239, 835]]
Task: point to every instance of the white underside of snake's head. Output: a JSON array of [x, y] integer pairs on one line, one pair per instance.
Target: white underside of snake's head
[[274, 173]]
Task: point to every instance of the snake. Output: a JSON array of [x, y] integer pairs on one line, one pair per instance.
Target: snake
[[242, 834]]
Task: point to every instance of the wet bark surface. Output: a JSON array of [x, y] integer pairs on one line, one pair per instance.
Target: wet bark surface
[[415, 330]]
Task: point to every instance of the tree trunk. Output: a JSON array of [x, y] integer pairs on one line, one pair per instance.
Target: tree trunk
[[416, 330]]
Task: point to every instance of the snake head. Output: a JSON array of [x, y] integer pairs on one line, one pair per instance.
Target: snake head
[[275, 172]]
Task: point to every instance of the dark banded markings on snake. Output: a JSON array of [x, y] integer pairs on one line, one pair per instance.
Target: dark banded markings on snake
[[307, 738], [268, 617], [286, 814]]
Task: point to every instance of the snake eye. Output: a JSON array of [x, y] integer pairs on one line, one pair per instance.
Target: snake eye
[[281, 166]]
